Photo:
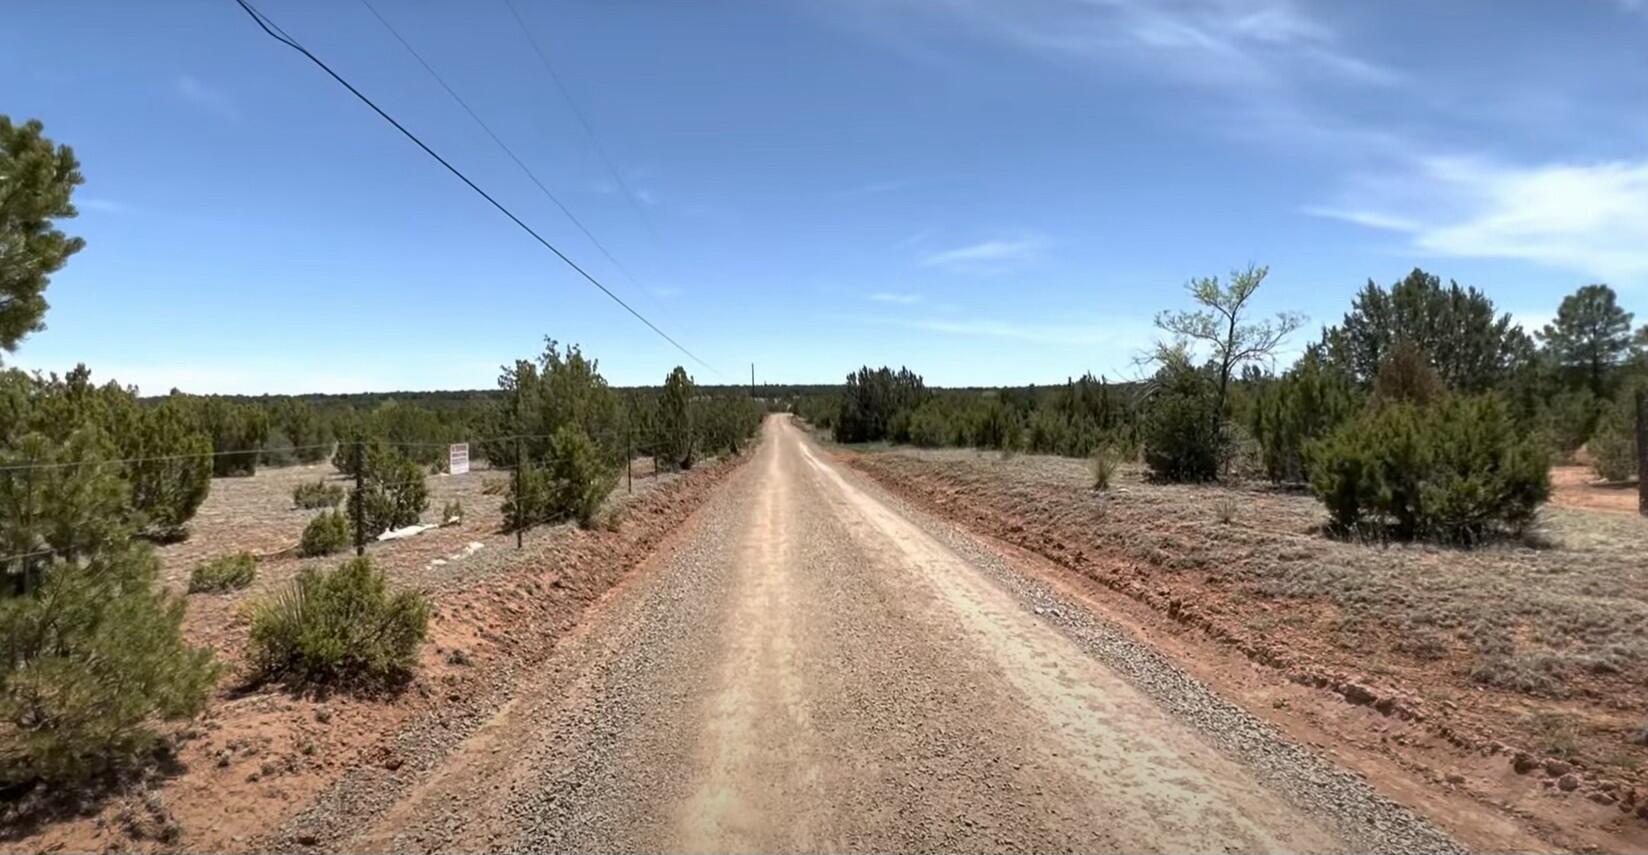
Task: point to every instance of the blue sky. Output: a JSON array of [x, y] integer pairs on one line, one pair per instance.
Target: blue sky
[[989, 191]]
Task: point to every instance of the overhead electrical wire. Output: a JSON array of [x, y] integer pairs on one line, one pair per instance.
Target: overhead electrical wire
[[589, 131], [532, 176], [274, 31]]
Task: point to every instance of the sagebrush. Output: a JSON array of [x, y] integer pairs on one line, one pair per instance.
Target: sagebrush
[[338, 627]]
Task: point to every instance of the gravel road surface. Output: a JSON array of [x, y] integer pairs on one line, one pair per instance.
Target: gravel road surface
[[813, 665]]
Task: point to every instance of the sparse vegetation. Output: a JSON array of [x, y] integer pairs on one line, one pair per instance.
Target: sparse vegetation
[[1455, 471], [227, 573], [314, 495], [338, 627], [325, 534], [1104, 465]]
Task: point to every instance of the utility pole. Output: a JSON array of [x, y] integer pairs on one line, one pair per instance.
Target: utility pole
[[752, 379], [629, 455]]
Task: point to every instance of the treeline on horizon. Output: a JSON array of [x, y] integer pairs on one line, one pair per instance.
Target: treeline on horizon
[[1424, 412]]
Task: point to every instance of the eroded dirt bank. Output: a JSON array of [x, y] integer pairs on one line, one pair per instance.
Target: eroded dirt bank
[[1386, 657]]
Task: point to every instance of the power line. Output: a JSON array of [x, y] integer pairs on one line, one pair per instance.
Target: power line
[[532, 176], [274, 31], [589, 132]]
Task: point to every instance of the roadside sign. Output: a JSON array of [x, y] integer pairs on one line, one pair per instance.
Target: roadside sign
[[457, 458]]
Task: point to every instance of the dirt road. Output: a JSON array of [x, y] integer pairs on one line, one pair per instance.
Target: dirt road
[[814, 666]]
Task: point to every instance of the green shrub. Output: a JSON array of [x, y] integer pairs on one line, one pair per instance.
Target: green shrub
[[571, 485], [1613, 448], [227, 573], [338, 627], [1183, 438], [452, 512], [392, 493], [317, 494], [1306, 404], [325, 534], [1454, 471], [89, 660]]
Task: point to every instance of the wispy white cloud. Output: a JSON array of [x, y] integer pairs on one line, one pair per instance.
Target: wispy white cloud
[[1371, 219], [1586, 217], [191, 89], [894, 297], [1224, 43], [990, 256]]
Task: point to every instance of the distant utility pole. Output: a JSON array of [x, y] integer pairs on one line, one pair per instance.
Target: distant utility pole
[[752, 379]]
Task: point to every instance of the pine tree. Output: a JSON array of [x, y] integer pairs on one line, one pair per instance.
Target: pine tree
[[36, 181], [1471, 348], [676, 432], [1590, 335]]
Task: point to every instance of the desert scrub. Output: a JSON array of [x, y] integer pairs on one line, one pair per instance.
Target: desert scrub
[[324, 535], [226, 573], [317, 494], [338, 627], [452, 513], [94, 656], [1104, 464], [1454, 471]]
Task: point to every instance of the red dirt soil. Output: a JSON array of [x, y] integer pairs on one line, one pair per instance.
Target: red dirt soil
[[255, 758], [1421, 730], [1579, 487]]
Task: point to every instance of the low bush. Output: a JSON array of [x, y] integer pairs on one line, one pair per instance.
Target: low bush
[[89, 661], [1613, 448], [452, 513], [325, 534], [338, 627], [1453, 471], [227, 573], [317, 494]]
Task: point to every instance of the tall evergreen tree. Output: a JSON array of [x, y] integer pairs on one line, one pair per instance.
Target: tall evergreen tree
[[36, 180], [675, 427], [1472, 348], [1591, 334]]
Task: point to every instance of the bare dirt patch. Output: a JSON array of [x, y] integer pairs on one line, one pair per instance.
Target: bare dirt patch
[[1458, 660], [256, 758], [1579, 487]]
